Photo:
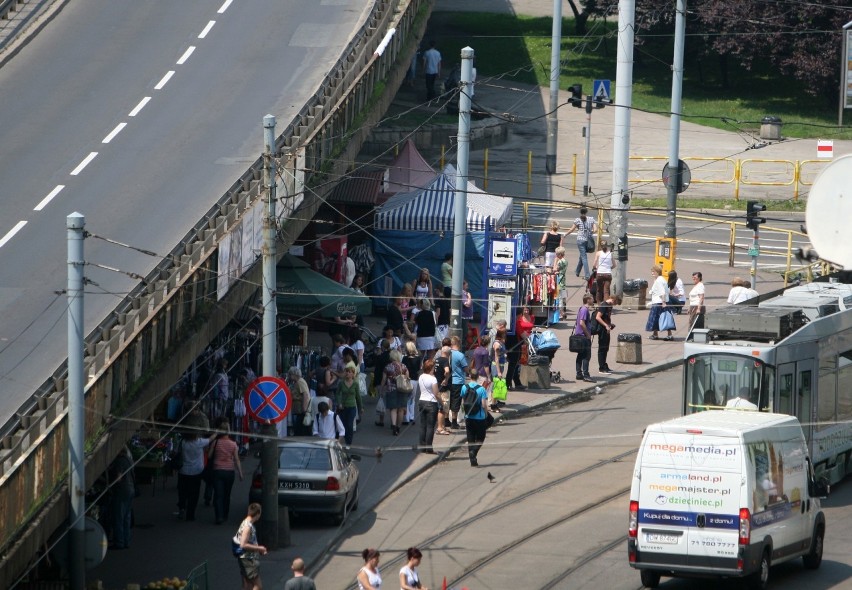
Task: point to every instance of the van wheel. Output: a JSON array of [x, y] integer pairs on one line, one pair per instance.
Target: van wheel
[[650, 578], [814, 558], [759, 580]]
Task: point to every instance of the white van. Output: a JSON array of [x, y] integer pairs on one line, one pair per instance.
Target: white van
[[724, 494]]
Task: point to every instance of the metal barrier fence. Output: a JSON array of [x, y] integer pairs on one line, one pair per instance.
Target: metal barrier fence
[[746, 172], [140, 350], [198, 578]]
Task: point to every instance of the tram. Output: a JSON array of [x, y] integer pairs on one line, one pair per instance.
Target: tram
[[791, 354]]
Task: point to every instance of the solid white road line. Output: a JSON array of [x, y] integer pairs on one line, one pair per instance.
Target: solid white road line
[[11, 233], [56, 190], [225, 6], [139, 106], [186, 55], [84, 163], [114, 132], [206, 29], [164, 80]]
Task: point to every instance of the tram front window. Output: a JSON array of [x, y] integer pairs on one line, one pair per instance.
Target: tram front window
[[713, 380]]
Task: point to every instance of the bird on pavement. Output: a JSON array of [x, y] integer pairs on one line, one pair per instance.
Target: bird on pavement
[[491, 478]]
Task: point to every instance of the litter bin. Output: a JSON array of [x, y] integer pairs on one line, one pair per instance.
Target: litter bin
[[770, 127], [634, 293], [629, 349]]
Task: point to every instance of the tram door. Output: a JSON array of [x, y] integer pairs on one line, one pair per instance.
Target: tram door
[[795, 392]]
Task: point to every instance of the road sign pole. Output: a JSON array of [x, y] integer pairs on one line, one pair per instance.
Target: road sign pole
[[674, 122], [586, 188], [754, 251], [269, 452], [555, 70]]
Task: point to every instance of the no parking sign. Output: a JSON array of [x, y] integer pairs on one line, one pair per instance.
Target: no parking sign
[[268, 400]]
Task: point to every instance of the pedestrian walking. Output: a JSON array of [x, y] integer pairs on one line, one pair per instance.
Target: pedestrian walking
[[189, 476], [443, 377], [299, 581], [225, 456], [327, 424], [426, 326], [582, 328], [301, 398], [659, 296], [604, 263], [476, 414], [122, 492], [409, 577], [677, 294], [431, 68], [349, 401], [428, 404], [395, 399], [585, 228], [603, 316], [696, 302], [247, 550], [413, 361], [458, 370], [369, 576], [551, 240], [560, 268]]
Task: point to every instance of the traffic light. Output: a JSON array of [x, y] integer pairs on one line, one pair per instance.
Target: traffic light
[[752, 209], [576, 99]]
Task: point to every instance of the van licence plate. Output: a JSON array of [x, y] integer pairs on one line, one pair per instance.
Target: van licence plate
[[294, 485], [662, 538]]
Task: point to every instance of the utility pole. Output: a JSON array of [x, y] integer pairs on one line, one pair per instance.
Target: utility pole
[[74, 225], [269, 451], [620, 198], [555, 69], [675, 183], [460, 223]]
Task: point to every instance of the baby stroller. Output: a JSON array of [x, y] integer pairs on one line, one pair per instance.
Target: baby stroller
[[543, 344]]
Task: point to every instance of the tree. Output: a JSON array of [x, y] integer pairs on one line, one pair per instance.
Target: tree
[[590, 8]]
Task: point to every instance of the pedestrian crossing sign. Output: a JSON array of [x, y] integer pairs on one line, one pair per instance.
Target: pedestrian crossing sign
[[600, 91]]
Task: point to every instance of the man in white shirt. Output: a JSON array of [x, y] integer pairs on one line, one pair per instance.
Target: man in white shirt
[[432, 69], [327, 424], [742, 401]]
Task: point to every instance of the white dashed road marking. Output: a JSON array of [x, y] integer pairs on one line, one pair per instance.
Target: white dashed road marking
[[114, 132], [164, 80], [186, 55], [224, 6], [84, 163], [56, 190], [206, 29], [139, 106], [11, 233]]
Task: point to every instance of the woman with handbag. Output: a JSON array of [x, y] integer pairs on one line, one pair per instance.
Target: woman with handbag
[[396, 386], [581, 340], [659, 296], [413, 362], [604, 263]]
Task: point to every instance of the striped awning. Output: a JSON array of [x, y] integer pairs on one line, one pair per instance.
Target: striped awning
[[433, 209]]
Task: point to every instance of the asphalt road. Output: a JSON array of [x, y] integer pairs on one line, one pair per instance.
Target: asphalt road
[[139, 115]]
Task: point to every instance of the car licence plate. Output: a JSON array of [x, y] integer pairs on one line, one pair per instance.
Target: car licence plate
[[662, 538], [294, 485]]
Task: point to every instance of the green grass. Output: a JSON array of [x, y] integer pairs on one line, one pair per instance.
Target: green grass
[[519, 48], [691, 203]]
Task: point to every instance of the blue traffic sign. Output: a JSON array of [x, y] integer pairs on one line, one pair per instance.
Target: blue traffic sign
[[268, 400], [600, 91]]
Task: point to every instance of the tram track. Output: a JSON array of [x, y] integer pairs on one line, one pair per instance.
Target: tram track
[[511, 503]]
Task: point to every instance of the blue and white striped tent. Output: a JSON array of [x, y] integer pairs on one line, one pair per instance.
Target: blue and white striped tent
[[432, 209]]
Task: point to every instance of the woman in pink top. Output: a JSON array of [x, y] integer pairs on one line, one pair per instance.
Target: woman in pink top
[[226, 464]]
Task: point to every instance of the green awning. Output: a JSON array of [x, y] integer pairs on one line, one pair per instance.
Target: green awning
[[303, 292]]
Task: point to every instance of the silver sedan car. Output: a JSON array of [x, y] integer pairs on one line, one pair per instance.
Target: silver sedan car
[[315, 476]]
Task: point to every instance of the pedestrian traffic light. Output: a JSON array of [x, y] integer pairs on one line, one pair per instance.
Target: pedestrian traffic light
[[752, 209], [576, 99]]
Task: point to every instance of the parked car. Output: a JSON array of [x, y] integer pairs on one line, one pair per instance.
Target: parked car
[[315, 476]]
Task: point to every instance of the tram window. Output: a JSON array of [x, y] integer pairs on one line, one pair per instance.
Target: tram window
[[827, 392], [844, 386], [785, 394]]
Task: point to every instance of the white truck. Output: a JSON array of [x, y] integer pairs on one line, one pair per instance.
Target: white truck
[[724, 494]]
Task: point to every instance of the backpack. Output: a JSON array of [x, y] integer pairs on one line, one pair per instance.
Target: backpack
[[594, 324], [470, 398]]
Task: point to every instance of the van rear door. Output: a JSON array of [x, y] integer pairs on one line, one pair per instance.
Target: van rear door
[[689, 499]]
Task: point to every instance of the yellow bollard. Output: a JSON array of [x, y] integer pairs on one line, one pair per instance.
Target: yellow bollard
[[396, 149], [443, 153], [485, 180], [529, 172], [574, 175], [737, 171]]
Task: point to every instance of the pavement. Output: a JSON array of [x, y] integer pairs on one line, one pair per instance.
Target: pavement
[[163, 546]]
